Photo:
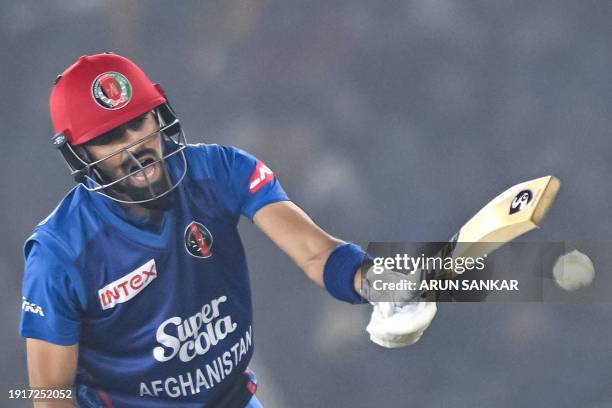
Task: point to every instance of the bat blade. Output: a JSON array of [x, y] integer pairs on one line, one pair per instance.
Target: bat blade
[[518, 210], [511, 214]]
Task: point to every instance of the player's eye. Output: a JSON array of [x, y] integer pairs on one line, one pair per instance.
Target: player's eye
[[137, 123], [115, 135], [108, 137]]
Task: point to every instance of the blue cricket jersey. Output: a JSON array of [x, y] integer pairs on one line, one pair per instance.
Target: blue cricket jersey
[[162, 313]]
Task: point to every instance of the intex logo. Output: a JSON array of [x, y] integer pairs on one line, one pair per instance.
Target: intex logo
[[128, 286], [260, 177], [184, 338], [31, 307]]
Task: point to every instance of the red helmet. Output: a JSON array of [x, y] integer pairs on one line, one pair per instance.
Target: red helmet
[[98, 93]]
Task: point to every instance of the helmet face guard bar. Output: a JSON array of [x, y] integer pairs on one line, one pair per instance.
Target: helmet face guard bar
[[173, 143]]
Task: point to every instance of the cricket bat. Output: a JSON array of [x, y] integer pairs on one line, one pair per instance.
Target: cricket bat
[[511, 214]]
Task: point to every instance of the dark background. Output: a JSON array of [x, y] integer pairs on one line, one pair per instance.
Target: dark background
[[385, 121]]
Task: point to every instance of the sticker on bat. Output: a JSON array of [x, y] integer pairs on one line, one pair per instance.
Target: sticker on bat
[[521, 201]]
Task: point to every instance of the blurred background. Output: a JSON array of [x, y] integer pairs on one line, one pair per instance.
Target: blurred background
[[385, 121]]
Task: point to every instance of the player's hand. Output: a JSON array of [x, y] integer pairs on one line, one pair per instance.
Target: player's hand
[[400, 324], [391, 286], [400, 316]]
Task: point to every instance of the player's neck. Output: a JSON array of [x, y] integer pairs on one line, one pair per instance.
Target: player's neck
[[155, 216]]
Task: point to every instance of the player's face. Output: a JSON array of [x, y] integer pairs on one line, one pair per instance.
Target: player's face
[[127, 150]]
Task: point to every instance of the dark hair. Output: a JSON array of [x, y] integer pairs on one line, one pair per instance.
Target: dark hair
[[117, 132]]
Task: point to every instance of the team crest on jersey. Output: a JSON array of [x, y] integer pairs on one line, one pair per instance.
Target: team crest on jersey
[[261, 176], [111, 90], [198, 240], [520, 201]]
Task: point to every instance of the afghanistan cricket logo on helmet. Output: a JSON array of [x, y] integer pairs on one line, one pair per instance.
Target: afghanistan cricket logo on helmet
[[111, 90], [98, 94]]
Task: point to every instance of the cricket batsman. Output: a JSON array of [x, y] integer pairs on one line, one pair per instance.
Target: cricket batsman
[[136, 288]]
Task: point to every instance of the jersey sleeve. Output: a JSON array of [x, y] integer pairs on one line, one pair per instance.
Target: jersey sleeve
[[245, 182], [50, 307]]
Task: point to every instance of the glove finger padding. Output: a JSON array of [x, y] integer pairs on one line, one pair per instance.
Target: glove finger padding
[[393, 325]]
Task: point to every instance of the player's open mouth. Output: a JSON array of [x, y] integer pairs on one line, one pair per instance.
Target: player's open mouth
[[147, 174]]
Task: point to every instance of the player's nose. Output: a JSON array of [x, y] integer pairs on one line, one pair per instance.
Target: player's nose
[[138, 140], [133, 136]]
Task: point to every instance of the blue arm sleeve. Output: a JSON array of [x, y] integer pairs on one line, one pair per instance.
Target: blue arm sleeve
[[50, 308]]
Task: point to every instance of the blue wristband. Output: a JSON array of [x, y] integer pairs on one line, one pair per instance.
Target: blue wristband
[[340, 269]]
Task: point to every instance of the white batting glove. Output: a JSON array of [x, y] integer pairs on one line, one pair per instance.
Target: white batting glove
[[395, 325], [399, 317]]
